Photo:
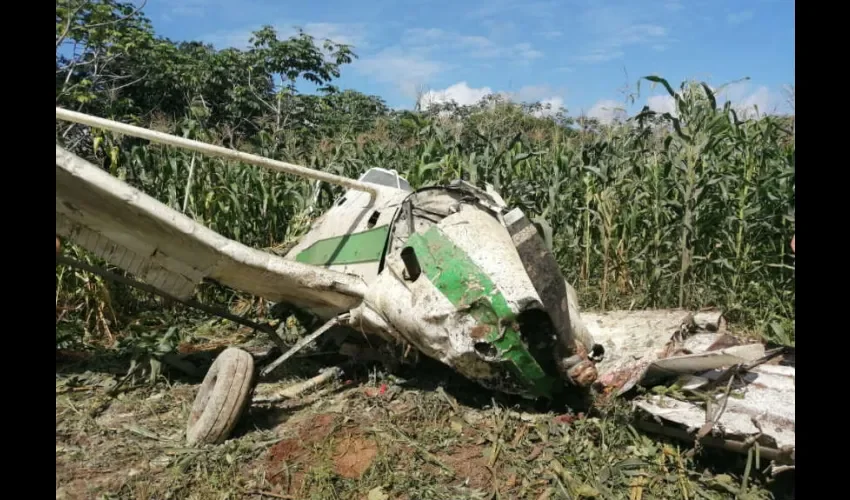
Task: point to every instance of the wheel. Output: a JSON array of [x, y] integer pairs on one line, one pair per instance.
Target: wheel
[[222, 398]]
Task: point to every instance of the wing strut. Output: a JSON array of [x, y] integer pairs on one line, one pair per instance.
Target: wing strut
[[212, 150], [215, 311], [341, 319]]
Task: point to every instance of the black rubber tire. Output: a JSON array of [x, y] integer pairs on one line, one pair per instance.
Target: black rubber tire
[[223, 396]]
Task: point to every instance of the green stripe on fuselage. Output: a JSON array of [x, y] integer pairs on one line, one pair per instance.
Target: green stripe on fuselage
[[355, 248], [461, 281]]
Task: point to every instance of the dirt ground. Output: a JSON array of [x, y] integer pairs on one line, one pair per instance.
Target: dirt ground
[[371, 437]]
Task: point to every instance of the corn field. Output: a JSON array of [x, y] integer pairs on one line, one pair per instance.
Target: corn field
[[659, 211]]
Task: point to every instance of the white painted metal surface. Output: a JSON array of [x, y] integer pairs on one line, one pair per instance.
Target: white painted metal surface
[[653, 347], [130, 229], [489, 246], [764, 401], [212, 150], [352, 214]]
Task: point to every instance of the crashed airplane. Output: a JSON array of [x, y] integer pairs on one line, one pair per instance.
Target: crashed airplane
[[450, 272]]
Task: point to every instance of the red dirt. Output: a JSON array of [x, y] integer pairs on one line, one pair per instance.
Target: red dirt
[[288, 450], [280, 458], [296, 452], [318, 428], [353, 455], [469, 463]]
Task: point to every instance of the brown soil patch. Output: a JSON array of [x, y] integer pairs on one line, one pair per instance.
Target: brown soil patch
[[317, 428], [280, 459], [74, 481], [288, 450], [469, 463], [353, 455], [282, 456]]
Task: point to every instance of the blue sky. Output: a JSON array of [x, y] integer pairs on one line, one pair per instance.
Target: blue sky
[[576, 53]]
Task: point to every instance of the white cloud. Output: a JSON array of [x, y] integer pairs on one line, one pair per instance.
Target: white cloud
[[607, 111], [550, 106], [524, 51], [480, 47], [423, 36], [464, 95], [407, 70], [747, 102], [662, 104], [613, 29], [739, 17], [600, 55], [420, 55], [461, 93], [348, 34], [226, 39], [551, 35], [744, 99]]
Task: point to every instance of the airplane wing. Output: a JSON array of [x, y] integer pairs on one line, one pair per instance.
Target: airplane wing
[[173, 253]]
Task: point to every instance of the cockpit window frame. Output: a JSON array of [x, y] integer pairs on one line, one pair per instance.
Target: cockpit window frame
[[386, 178]]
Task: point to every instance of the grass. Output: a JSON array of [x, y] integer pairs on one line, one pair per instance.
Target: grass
[[429, 436]]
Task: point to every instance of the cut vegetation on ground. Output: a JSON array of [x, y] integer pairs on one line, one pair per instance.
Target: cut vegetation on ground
[[369, 435], [657, 212]]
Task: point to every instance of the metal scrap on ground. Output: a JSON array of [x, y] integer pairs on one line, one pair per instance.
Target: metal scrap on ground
[[735, 405]]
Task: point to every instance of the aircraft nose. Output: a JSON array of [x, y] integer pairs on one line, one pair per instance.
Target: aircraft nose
[[485, 242]]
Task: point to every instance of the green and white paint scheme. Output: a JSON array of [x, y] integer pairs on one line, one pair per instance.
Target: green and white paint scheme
[[449, 270]]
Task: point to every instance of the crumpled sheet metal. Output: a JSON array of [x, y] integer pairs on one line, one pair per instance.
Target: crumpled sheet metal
[[767, 408], [635, 340], [650, 347]]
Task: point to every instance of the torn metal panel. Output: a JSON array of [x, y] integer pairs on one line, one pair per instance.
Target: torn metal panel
[[761, 408], [455, 287], [574, 347], [674, 346], [544, 272], [633, 340], [702, 361]]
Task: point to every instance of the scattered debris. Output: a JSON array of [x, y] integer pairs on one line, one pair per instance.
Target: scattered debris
[[735, 398], [327, 375]]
